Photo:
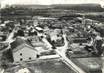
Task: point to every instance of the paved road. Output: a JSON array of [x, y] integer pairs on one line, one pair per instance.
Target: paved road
[[49, 57], [61, 51]]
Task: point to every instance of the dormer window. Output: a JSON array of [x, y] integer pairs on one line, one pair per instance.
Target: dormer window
[[20, 54], [29, 58], [21, 59]]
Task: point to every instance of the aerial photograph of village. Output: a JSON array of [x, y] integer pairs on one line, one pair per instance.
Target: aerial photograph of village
[[51, 38]]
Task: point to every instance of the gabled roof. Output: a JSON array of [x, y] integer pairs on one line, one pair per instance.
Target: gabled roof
[[18, 43], [23, 45]]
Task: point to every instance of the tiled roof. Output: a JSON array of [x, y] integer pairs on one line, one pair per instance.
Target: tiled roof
[[19, 42]]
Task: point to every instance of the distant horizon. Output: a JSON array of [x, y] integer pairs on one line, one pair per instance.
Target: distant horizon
[[58, 4], [49, 2]]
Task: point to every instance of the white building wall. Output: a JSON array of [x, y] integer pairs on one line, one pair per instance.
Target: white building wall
[[24, 54]]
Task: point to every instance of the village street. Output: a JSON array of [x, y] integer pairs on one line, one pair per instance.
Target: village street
[[61, 52]]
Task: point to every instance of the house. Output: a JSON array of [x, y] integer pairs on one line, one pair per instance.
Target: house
[[39, 44], [35, 41], [23, 51]]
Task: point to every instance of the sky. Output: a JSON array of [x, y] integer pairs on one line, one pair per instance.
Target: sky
[[48, 2]]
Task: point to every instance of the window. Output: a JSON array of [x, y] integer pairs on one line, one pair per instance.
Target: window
[[29, 58], [37, 56], [20, 54], [21, 59]]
